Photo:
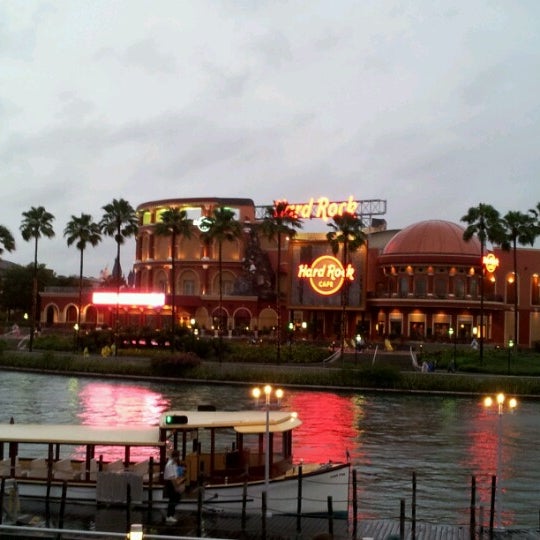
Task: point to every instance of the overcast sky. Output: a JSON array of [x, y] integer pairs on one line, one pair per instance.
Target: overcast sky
[[430, 105]]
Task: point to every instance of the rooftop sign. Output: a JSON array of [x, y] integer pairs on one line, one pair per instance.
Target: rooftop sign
[[321, 208]]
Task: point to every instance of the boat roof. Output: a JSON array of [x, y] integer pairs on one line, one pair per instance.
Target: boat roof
[[240, 421], [80, 434]]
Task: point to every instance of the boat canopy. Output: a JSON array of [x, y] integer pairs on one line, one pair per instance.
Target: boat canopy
[[240, 421], [80, 434]]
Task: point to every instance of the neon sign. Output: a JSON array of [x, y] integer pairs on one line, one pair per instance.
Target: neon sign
[[326, 274], [490, 262], [128, 299], [321, 208]]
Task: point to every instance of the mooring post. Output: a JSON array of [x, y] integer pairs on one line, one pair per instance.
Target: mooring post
[[472, 526], [299, 501], [402, 519], [330, 517], [355, 504], [263, 517], [244, 504], [199, 512], [413, 507], [492, 505]]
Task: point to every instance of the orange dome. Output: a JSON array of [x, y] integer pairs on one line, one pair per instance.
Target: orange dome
[[431, 240]]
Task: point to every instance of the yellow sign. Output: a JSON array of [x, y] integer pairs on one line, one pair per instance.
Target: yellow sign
[[490, 262], [326, 274], [321, 208]]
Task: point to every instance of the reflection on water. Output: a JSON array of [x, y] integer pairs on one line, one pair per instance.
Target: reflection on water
[[445, 440]]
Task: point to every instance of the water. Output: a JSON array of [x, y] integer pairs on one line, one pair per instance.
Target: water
[[445, 440]]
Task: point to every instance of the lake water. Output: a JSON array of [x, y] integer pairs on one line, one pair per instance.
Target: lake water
[[445, 440]]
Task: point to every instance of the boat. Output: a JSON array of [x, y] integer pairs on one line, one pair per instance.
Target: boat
[[225, 454], [227, 465]]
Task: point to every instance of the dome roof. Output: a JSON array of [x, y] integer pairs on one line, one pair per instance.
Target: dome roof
[[431, 239]]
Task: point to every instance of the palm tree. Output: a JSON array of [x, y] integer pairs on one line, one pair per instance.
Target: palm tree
[[7, 242], [346, 233], [82, 231], [119, 221], [519, 229], [279, 221], [484, 222], [37, 222], [174, 223], [221, 227]]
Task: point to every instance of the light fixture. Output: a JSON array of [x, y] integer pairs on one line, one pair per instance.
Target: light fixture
[[135, 532]]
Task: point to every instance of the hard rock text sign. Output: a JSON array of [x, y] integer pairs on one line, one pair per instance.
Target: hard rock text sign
[[326, 274], [321, 208]]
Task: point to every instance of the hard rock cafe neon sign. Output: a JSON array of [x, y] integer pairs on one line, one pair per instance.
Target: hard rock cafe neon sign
[[490, 262], [326, 274], [321, 208]]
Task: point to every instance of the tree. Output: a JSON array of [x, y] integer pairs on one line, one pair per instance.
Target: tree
[[119, 221], [484, 222], [519, 228], [82, 231], [37, 222], [7, 242], [174, 223], [346, 234], [279, 221], [221, 226]]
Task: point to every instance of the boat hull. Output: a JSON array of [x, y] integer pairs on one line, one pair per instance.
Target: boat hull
[[317, 488]]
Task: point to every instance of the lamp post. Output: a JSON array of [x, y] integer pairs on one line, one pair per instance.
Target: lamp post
[[510, 347], [278, 393], [452, 337], [357, 341], [511, 404]]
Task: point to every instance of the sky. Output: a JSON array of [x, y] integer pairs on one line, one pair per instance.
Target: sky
[[429, 105]]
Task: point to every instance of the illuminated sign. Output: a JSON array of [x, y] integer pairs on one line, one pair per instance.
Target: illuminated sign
[[321, 208], [326, 274], [490, 262], [128, 299]]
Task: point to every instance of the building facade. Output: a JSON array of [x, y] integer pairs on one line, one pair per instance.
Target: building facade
[[423, 282]]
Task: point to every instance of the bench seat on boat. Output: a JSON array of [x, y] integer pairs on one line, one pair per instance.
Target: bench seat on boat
[[63, 470], [38, 468], [5, 467], [141, 469]]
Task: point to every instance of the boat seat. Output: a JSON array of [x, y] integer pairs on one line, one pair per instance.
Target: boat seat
[[141, 469], [38, 468], [63, 470], [115, 466], [5, 467]]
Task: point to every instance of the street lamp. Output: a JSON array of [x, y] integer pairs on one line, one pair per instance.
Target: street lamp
[[511, 404], [510, 347], [453, 365], [278, 393], [357, 341]]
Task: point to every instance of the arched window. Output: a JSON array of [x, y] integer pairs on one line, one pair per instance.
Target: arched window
[[440, 286], [511, 286], [420, 286], [535, 290], [459, 287], [404, 285]]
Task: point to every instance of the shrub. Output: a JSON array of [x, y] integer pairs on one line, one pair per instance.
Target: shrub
[[174, 365]]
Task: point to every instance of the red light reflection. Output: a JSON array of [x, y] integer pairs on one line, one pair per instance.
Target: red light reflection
[[327, 429], [120, 405]]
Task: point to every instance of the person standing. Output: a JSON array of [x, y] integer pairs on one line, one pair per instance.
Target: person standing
[[170, 476]]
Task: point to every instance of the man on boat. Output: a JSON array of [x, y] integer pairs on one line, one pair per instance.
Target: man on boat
[[170, 476]]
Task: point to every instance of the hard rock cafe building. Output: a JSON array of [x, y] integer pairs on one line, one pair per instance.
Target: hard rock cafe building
[[419, 283]]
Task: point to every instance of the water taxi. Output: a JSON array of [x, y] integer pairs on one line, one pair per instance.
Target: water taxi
[[227, 467]]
